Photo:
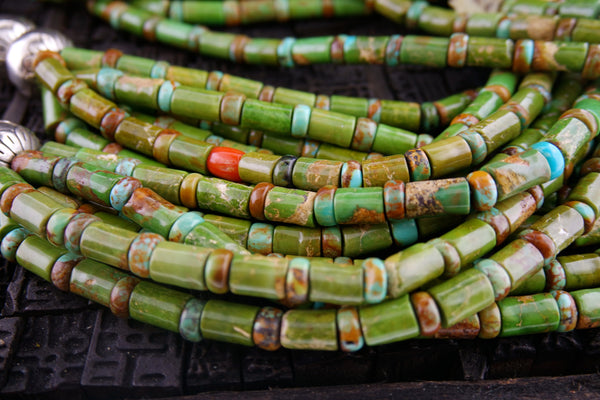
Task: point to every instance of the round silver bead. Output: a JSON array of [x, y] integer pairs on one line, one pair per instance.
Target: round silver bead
[[15, 139], [22, 52], [11, 28]]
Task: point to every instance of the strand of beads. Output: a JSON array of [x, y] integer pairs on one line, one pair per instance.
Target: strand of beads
[[562, 23], [236, 12], [421, 50], [347, 328], [406, 115]]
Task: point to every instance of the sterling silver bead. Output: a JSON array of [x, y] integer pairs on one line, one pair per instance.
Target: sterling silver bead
[[22, 52], [15, 139], [11, 28]]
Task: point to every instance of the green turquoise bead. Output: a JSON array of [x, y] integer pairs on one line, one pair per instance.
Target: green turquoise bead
[[291, 206], [258, 276], [175, 33], [38, 256], [424, 50], [534, 284], [52, 73], [563, 225], [90, 107], [499, 128], [349, 105], [404, 232], [224, 197], [434, 197], [190, 154], [526, 315], [157, 305], [447, 156], [471, 239], [35, 167], [462, 296], [483, 24], [106, 244], [365, 239], [151, 211], [311, 174], [409, 269], [331, 127], [260, 115], [216, 44], [86, 181], [183, 225], [77, 58], [484, 105], [587, 191], [581, 271], [141, 92], [207, 235], [490, 52], [332, 283], [136, 135], [11, 242], [260, 238], [365, 49], [179, 264], [587, 301], [300, 120], [261, 51], [104, 280], [196, 103], [569, 135], [257, 167], [33, 210], [134, 65], [189, 323], [309, 329], [497, 276], [236, 229], [297, 240], [7, 225], [312, 50], [228, 322], [390, 140], [359, 206], [294, 97], [388, 322], [520, 259]]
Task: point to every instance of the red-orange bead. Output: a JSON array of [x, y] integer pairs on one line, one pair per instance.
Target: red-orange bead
[[223, 163]]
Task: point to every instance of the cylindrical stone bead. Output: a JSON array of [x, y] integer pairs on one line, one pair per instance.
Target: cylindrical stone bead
[[390, 140], [297, 240], [471, 239], [563, 225], [266, 329], [291, 206], [190, 154], [35, 167], [349, 330], [224, 197], [365, 239], [166, 182], [137, 135], [499, 128], [377, 172], [33, 210], [258, 276], [520, 259], [489, 52], [332, 283], [311, 174], [359, 206], [497, 276], [104, 278], [309, 330], [38, 256], [443, 196], [107, 244], [428, 314], [388, 322], [525, 315], [447, 156], [257, 167], [491, 322], [86, 181], [581, 270], [587, 301], [151, 211], [179, 264], [229, 322], [517, 209], [413, 267]]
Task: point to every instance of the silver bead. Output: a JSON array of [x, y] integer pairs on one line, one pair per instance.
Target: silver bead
[[22, 52], [11, 28], [15, 139]]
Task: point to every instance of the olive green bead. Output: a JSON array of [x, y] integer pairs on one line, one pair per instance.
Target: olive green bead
[[587, 191], [293, 97], [190, 154], [95, 185], [6, 225], [53, 112], [389, 321], [216, 44], [484, 104], [142, 92], [104, 280], [312, 174], [581, 270], [224, 197], [390, 140], [586, 30], [292, 206], [157, 305], [117, 221], [77, 58], [520, 259], [365, 49], [483, 24], [151, 211], [359, 206], [179, 264], [228, 322], [563, 225], [309, 329], [260, 115], [312, 50], [515, 209], [196, 103], [282, 145], [393, 9], [187, 76], [332, 283], [133, 65], [258, 276], [261, 51], [137, 135], [90, 107], [376, 172], [413, 267], [106, 244], [297, 240], [437, 21], [447, 156], [38, 256], [207, 235], [587, 301], [471, 239], [331, 127], [165, 182], [424, 50], [238, 84], [174, 33], [569, 135], [236, 229], [533, 284], [404, 115], [358, 107], [490, 52], [499, 128], [33, 210], [52, 73], [58, 149], [361, 240], [83, 138], [525, 315], [257, 167], [462, 296]]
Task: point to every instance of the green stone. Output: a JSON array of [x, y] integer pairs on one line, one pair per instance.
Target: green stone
[[525, 315], [296, 240], [178, 264], [388, 322], [332, 283], [224, 197], [309, 330], [472, 239], [95, 281], [258, 276], [413, 267], [38, 256], [106, 244], [33, 210], [228, 322], [292, 206], [360, 240], [581, 270]]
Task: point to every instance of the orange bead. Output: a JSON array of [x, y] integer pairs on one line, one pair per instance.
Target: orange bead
[[223, 163]]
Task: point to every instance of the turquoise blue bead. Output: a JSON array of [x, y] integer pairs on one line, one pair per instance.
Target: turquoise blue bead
[[404, 232], [105, 81], [284, 52], [300, 120], [554, 157], [184, 225], [503, 29], [260, 238], [356, 178], [189, 322], [376, 116], [392, 51], [165, 94], [159, 70], [213, 84], [122, 191], [476, 144], [126, 166], [11, 242], [375, 280], [140, 252], [323, 208]]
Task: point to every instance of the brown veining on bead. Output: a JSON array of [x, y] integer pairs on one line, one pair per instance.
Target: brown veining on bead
[[322, 173], [111, 121], [564, 28], [160, 149], [68, 89], [591, 68], [427, 312], [120, 294], [465, 329], [420, 197], [110, 58], [11, 193], [149, 28], [591, 165], [216, 272], [394, 209], [266, 94], [374, 108], [145, 203], [61, 273], [265, 332], [346, 176], [465, 119], [541, 241], [337, 49], [256, 203], [498, 222], [331, 242], [237, 47]]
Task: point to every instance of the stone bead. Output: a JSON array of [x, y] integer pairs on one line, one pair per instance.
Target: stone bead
[[140, 253], [591, 68], [517, 209], [266, 328], [520, 259], [122, 191], [555, 275], [424, 50], [364, 134], [404, 232], [224, 197], [490, 320], [375, 280], [300, 120], [359, 206], [452, 262], [418, 164], [467, 328], [364, 239], [332, 283], [484, 191], [179, 265], [85, 181], [187, 190], [412, 268], [216, 271], [394, 200], [390, 140], [223, 162], [498, 222], [257, 276], [587, 301], [256, 204], [299, 241], [568, 310], [588, 191], [497, 276], [104, 279], [349, 330], [542, 242], [442, 196], [580, 271], [34, 166], [457, 50], [569, 135], [297, 281], [260, 238], [11, 242], [462, 296], [563, 225], [447, 156], [120, 296], [8, 196], [257, 167], [193, 154], [428, 314], [351, 175], [107, 244], [538, 194], [151, 211], [33, 210], [324, 206], [61, 270], [189, 322], [331, 242], [291, 206], [207, 235], [299, 330], [388, 322], [111, 120], [75, 229], [525, 315], [283, 171], [471, 239], [311, 174], [377, 172], [269, 117], [476, 143], [162, 180]]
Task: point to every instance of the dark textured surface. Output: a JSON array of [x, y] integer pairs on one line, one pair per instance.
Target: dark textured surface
[[57, 345]]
